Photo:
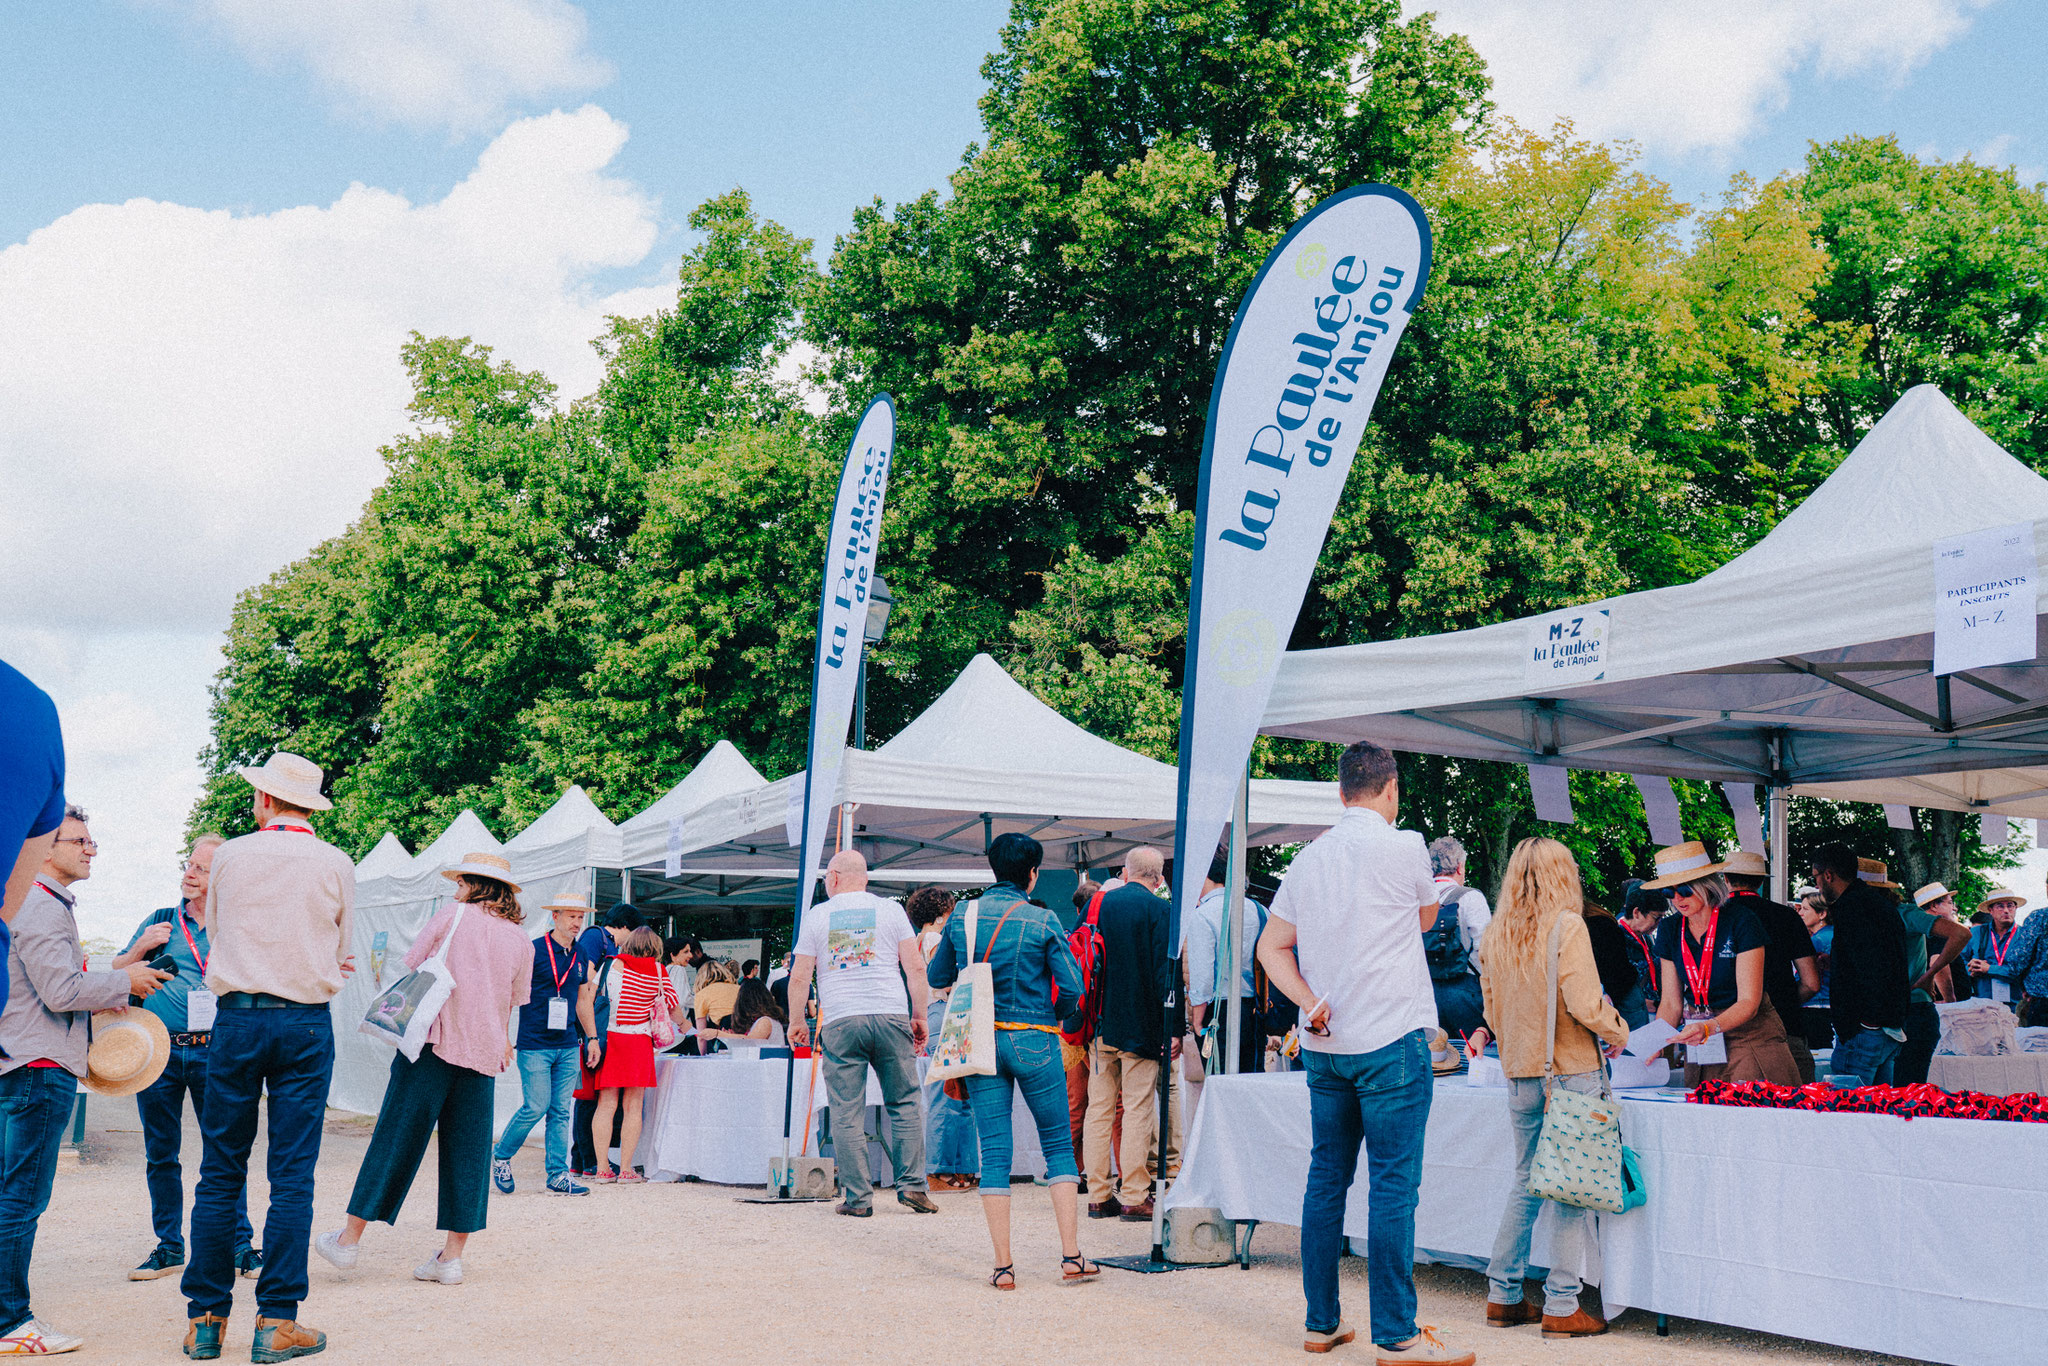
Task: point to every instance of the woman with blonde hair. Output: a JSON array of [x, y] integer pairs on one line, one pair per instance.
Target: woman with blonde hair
[[621, 1069], [453, 1083], [1536, 921]]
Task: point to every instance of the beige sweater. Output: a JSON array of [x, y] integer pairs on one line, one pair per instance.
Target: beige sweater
[[1514, 989], [279, 913]]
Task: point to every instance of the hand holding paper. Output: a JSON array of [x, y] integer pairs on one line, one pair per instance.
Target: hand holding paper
[[1651, 1039]]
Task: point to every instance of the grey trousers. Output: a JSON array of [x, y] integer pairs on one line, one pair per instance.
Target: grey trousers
[[852, 1045]]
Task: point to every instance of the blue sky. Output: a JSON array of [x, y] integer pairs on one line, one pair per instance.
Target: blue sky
[[221, 218]]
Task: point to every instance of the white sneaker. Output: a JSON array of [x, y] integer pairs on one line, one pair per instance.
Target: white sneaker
[[330, 1246], [435, 1269], [34, 1338]]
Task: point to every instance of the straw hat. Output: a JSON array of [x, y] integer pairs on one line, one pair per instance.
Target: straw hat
[[289, 778], [1743, 863], [1930, 894], [2002, 894], [567, 901], [1683, 863], [482, 865], [1876, 874], [129, 1050]]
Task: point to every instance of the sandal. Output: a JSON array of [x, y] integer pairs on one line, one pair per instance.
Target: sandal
[[1004, 1273], [1078, 1268]]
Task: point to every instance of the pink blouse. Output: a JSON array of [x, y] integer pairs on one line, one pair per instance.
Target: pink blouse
[[491, 960]]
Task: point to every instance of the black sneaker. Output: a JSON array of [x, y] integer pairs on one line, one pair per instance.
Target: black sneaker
[[162, 1262], [248, 1263]]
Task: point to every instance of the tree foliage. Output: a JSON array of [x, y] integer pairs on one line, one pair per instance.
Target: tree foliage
[[1605, 390]]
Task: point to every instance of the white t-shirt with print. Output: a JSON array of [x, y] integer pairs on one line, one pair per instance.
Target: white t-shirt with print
[[1354, 898], [854, 938]]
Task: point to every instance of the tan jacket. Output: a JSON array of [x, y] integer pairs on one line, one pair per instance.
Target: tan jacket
[[1514, 990]]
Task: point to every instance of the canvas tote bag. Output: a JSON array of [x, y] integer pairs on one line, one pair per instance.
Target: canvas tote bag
[[408, 1007], [966, 1045], [1579, 1155]]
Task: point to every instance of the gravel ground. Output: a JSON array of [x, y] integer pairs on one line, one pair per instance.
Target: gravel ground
[[689, 1266]]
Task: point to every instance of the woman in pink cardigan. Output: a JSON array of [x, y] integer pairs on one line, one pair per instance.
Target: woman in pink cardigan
[[452, 1084]]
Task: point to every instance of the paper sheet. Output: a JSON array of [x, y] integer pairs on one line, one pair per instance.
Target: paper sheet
[[1650, 1038], [1552, 791], [1660, 805], [1749, 822], [1985, 598], [1898, 815]]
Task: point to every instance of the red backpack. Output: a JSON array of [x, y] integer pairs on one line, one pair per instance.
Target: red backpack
[[1085, 943]]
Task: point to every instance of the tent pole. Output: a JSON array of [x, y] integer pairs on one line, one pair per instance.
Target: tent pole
[[1779, 801], [626, 885], [1231, 998]]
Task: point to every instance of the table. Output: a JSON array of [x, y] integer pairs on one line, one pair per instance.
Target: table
[[720, 1119], [2006, 1075], [1863, 1231]]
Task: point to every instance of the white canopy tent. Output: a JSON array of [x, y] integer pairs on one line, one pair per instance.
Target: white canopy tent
[[2012, 792], [387, 859], [985, 758], [1807, 659]]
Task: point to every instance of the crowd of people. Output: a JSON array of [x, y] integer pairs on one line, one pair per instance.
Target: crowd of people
[[1373, 951]]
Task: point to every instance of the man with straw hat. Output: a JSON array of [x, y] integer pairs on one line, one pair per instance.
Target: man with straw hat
[[44, 1031], [547, 1050], [278, 911], [1932, 913], [1992, 976]]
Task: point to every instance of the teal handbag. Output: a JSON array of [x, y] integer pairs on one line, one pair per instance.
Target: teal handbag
[[1633, 1192]]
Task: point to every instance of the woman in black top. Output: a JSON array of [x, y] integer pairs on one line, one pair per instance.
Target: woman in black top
[[1711, 958], [1618, 979]]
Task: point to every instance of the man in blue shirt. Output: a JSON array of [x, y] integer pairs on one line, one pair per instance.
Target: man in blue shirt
[[2028, 958], [547, 1050], [186, 1007], [31, 791], [1993, 974]]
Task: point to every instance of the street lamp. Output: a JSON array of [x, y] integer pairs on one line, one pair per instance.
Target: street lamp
[[879, 603]]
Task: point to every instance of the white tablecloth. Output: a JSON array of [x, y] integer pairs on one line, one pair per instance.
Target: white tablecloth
[[2001, 1076], [1923, 1238], [720, 1119]]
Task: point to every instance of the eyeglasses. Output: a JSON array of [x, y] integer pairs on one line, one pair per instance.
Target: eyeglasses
[[86, 841]]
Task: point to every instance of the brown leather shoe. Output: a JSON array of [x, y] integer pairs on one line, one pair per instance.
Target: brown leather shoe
[[1581, 1324], [1134, 1214], [1108, 1209], [1512, 1315], [918, 1201]]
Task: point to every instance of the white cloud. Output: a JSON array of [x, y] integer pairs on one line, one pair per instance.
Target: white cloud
[[428, 63], [1688, 75], [191, 398]]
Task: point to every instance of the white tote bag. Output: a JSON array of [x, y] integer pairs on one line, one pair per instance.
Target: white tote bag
[[966, 1046], [405, 1012]]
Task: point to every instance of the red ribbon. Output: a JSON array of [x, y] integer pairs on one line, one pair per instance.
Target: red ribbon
[[1905, 1102]]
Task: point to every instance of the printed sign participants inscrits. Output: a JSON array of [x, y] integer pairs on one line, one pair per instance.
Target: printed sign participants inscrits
[[1986, 590], [1567, 649]]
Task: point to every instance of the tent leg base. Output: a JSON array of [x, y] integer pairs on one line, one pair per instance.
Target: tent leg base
[[1663, 1325]]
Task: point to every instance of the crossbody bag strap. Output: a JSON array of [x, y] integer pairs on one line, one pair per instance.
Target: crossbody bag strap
[[994, 933], [1550, 1006]]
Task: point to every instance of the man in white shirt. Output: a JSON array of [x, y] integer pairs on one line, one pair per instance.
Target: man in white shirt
[[1343, 943], [863, 950], [1205, 972]]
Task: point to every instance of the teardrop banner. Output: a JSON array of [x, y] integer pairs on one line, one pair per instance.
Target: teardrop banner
[[850, 545], [1294, 390]]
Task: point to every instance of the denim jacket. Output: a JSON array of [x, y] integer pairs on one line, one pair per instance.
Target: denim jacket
[[1029, 960]]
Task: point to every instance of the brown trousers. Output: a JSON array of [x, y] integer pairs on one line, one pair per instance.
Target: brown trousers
[[1757, 1051]]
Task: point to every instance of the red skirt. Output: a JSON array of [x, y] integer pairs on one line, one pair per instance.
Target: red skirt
[[628, 1061]]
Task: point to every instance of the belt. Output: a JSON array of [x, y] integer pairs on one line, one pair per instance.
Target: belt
[[190, 1040], [263, 1000]]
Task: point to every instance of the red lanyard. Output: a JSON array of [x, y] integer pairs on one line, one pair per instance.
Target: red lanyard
[[1649, 954], [192, 944], [1699, 972], [295, 829], [1998, 948], [561, 974]]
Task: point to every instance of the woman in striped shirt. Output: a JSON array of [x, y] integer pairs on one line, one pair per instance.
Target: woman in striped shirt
[[623, 1067]]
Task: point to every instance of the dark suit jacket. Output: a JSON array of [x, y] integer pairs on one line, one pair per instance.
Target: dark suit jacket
[[1134, 982]]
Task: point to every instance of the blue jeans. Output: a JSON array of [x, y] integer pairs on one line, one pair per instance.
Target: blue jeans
[[547, 1083], [1867, 1055], [290, 1053], [35, 1105], [1027, 1060], [1511, 1244], [162, 1106], [949, 1143], [1381, 1100]]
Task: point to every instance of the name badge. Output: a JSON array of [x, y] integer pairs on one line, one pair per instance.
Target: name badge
[[2001, 990], [201, 1006], [1712, 1053], [558, 1012]]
